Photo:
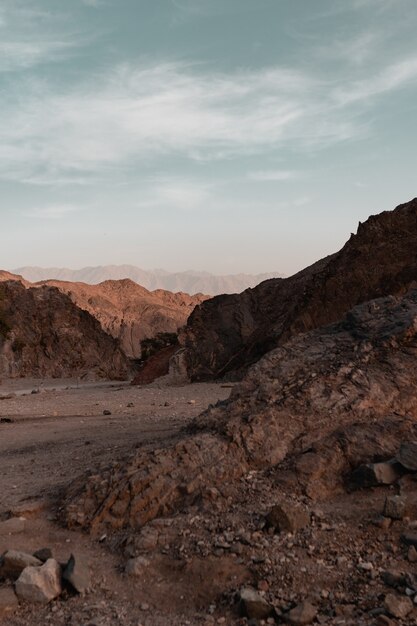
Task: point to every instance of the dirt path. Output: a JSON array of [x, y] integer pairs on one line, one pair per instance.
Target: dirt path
[[55, 435]]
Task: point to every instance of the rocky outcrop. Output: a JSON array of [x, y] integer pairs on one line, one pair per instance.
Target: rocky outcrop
[[226, 334], [335, 397], [44, 334], [125, 310]]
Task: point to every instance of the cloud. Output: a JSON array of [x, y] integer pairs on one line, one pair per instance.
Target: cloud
[[272, 175], [145, 112], [51, 212]]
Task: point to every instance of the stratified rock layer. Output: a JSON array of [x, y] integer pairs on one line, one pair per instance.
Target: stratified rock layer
[[327, 401], [225, 335], [46, 335]]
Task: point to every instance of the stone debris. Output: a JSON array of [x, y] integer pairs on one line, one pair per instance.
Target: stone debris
[[40, 584], [407, 455], [302, 614], [288, 517], [374, 474], [77, 573], [137, 566], [398, 606], [254, 605], [395, 507], [13, 562]]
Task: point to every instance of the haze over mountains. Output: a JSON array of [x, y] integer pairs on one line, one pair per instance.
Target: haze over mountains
[[191, 282]]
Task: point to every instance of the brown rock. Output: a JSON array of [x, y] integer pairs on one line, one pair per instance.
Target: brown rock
[[374, 474], [288, 517], [302, 614], [398, 606], [12, 563], [228, 333], [40, 584], [412, 554], [395, 507], [407, 455], [254, 605]]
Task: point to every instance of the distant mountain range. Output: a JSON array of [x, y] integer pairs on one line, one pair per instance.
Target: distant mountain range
[[189, 282]]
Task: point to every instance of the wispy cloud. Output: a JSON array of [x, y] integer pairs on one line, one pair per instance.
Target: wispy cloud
[[272, 175], [53, 212]]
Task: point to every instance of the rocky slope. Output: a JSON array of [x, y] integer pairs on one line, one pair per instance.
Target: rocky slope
[[125, 310], [313, 410], [44, 334], [189, 282], [228, 333], [129, 312]]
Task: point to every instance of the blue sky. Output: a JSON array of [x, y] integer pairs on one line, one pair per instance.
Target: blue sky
[[225, 135]]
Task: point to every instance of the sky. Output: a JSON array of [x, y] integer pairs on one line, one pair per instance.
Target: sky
[[220, 135]]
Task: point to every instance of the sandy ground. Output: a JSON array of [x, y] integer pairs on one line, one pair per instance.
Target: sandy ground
[[57, 434]]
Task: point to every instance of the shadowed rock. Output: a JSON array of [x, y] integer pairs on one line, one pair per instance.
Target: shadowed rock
[[331, 393], [228, 333]]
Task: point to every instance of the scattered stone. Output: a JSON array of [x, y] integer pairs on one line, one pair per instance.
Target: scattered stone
[[382, 522], [12, 563], [395, 507], [191, 401], [412, 554], [302, 614], [12, 526], [106, 412], [43, 554], [130, 405], [393, 578], [136, 567], [289, 517], [410, 539], [40, 584], [398, 606], [77, 573], [407, 455], [383, 620], [8, 601], [254, 605], [374, 474], [6, 420]]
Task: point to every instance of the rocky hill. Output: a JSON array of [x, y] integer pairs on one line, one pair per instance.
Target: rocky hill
[[189, 282], [44, 334], [322, 405], [129, 312], [125, 310], [226, 334]]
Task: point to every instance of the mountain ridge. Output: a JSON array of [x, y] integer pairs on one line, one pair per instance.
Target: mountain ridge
[[190, 282]]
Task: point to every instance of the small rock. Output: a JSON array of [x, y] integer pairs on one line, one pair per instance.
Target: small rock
[[77, 573], [130, 405], [12, 563], [412, 554], [398, 606], [288, 516], [43, 554], [407, 455], [254, 605], [40, 584], [395, 507], [8, 601], [136, 567], [302, 614], [191, 401], [106, 412], [374, 474], [409, 539], [12, 526], [393, 578], [383, 620]]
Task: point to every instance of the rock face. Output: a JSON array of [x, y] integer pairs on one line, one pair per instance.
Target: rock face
[[43, 333], [326, 402], [125, 310], [226, 334], [129, 312]]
